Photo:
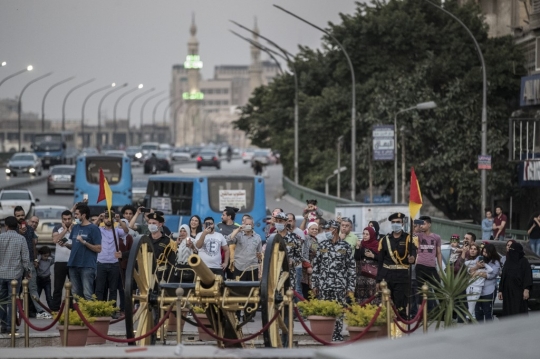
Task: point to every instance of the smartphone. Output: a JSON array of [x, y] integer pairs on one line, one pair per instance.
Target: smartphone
[[85, 196], [339, 214], [64, 240], [247, 227], [146, 210], [480, 258], [418, 221]]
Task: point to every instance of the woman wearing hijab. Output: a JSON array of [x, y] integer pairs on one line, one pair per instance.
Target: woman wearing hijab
[[309, 251], [365, 255], [508, 244], [186, 247], [376, 227], [516, 281]]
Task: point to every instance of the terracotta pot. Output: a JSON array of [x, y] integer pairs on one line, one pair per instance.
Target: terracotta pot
[[202, 334], [76, 335], [171, 322], [102, 326], [321, 326], [374, 332]]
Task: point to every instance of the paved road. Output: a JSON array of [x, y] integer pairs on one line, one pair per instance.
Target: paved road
[[8, 181]]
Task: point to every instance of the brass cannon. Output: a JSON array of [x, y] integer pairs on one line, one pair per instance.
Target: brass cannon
[[153, 288]]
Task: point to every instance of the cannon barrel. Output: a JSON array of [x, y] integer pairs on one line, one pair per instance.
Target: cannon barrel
[[207, 276]]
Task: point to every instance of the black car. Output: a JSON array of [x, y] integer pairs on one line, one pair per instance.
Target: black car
[[208, 158], [158, 162]]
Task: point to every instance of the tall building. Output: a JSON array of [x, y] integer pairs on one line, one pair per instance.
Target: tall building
[[204, 109]]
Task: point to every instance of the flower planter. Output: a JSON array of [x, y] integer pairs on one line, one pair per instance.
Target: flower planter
[[171, 322], [76, 335], [321, 326], [373, 332], [102, 326], [202, 334]]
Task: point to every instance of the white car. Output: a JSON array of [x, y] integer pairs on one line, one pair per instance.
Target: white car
[[181, 154], [11, 198], [247, 155]]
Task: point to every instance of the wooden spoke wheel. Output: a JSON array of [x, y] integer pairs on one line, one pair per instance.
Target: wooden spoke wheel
[[140, 271], [275, 282]]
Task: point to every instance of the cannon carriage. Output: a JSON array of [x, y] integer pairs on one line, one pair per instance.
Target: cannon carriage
[[151, 285]]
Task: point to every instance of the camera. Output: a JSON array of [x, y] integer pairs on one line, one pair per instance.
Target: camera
[[145, 210]]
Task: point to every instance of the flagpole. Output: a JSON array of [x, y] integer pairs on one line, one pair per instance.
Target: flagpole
[[410, 272], [116, 245]]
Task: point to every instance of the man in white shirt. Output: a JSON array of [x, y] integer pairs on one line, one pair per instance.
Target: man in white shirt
[[61, 233], [210, 243]]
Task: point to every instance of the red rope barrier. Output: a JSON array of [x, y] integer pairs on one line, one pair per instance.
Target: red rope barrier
[[119, 340], [234, 341], [119, 319], [413, 320], [43, 305], [25, 318], [367, 301], [405, 331], [351, 340]]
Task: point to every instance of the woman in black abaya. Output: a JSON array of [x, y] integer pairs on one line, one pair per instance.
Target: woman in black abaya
[[516, 281]]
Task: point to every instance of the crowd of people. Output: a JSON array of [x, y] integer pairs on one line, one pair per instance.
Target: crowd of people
[[326, 259]]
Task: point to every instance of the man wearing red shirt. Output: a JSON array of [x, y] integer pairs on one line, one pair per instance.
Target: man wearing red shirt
[[499, 224]]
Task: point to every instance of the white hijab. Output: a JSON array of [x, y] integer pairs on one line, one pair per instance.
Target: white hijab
[[184, 251]]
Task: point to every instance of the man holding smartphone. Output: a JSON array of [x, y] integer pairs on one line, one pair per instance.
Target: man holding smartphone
[[60, 236], [210, 243]]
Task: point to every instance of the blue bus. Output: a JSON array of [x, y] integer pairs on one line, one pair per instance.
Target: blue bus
[[181, 196], [53, 147], [117, 170]]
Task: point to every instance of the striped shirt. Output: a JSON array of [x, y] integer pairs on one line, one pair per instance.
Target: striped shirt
[[14, 256]]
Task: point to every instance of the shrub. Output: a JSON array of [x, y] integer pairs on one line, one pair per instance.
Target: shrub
[[326, 308], [360, 316], [74, 318], [97, 308]]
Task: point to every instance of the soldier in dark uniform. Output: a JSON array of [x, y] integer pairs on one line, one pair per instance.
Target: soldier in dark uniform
[[334, 271], [164, 248], [397, 251]]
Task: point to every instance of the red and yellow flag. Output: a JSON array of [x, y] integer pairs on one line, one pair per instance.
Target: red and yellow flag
[[105, 192], [415, 196]]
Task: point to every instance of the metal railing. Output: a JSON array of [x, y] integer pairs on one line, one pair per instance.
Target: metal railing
[[325, 202]]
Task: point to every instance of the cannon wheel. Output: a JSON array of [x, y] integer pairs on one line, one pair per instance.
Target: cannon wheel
[[141, 270], [274, 283]]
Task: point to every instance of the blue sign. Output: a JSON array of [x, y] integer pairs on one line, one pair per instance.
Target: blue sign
[[529, 173], [383, 143], [378, 199]]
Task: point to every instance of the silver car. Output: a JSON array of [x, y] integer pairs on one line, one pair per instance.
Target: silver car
[[49, 217], [24, 163], [61, 177]]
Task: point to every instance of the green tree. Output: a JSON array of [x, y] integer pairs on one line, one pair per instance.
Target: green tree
[[403, 53]]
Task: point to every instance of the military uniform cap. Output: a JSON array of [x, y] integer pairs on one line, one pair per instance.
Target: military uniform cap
[[156, 216], [281, 215], [397, 215]]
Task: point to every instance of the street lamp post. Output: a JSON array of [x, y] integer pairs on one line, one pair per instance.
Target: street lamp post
[[262, 48], [155, 110], [340, 140], [291, 65], [483, 173], [19, 105], [140, 86], [142, 113], [28, 68], [65, 100], [337, 171], [45, 96], [84, 105], [99, 134], [129, 112], [174, 118], [420, 106]]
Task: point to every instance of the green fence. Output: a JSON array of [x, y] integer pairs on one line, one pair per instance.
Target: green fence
[[326, 203], [443, 227]]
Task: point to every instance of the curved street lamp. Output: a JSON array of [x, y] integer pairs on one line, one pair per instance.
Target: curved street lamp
[[140, 86], [65, 100], [99, 110], [142, 113], [45, 96], [262, 48], [155, 110], [28, 68], [84, 105], [129, 112], [483, 173], [353, 97], [19, 105]]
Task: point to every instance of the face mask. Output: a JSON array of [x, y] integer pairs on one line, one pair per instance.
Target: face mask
[[279, 227], [397, 227], [77, 221], [329, 235], [153, 228]]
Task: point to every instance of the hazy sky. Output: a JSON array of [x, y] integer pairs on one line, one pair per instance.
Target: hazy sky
[[135, 41]]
